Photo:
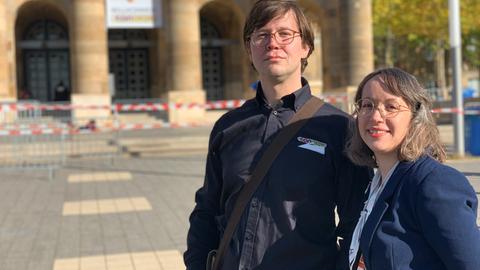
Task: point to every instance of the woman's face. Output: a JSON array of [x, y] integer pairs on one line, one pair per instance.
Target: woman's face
[[383, 119]]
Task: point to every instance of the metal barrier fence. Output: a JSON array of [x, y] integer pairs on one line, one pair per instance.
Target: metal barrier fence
[[23, 149], [37, 135], [44, 136], [29, 114]]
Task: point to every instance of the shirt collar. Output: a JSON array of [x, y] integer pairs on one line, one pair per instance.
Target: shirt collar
[[292, 101]]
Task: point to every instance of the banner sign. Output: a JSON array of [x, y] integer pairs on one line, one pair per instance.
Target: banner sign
[[134, 13]]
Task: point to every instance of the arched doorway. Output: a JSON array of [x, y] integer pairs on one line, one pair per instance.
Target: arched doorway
[[223, 58], [212, 70], [129, 62], [46, 63]]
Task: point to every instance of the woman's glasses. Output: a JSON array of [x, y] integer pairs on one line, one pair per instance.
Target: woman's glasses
[[388, 109]]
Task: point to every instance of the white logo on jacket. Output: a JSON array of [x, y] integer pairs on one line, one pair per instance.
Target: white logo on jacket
[[312, 145]]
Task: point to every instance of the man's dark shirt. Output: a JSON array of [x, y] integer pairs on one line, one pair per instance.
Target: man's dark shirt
[[290, 221]]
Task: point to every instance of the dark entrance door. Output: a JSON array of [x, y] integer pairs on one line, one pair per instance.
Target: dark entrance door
[[128, 61], [212, 70], [46, 59], [44, 70], [130, 67]]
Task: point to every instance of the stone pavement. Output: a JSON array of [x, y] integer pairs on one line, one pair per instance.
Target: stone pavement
[[93, 215]]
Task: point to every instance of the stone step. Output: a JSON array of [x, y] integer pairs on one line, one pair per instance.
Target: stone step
[[148, 141], [164, 149], [168, 152], [30, 151], [166, 145], [137, 118]]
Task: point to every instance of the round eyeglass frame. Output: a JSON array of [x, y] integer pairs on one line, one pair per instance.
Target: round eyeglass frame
[[383, 112], [280, 42]]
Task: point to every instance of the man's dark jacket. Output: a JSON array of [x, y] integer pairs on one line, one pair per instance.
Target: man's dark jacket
[[290, 221]]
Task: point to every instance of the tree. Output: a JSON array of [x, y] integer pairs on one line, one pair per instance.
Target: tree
[[414, 35], [471, 33]]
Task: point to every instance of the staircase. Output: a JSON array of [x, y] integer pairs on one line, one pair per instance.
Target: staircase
[[164, 146]]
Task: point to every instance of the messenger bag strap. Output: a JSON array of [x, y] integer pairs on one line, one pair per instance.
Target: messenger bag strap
[[281, 139]]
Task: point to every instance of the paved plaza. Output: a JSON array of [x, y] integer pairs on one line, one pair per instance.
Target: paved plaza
[[93, 214]]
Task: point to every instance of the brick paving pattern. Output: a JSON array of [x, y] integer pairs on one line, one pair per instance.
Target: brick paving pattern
[[94, 215]]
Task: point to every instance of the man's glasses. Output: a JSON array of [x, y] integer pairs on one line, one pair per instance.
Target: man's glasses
[[390, 108], [282, 37]]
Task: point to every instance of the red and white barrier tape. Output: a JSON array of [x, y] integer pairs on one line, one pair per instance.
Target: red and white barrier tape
[[26, 130], [228, 104], [55, 128], [456, 111], [145, 107], [151, 106], [148, 106], [153, 126], [13, 107], [224, 104], [31, 130], [335, 98], [31, 126]]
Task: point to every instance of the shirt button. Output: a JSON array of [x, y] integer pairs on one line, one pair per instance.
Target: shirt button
[[254, 203], [248, 237], [275, 113]]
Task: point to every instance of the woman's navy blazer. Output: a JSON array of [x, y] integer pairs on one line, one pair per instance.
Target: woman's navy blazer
[[424, 219]]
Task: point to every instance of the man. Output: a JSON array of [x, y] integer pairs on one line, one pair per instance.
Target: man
[[61, 92], [290, 220]]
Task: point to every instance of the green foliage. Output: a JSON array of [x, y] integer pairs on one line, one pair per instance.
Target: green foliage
[[408, 33]]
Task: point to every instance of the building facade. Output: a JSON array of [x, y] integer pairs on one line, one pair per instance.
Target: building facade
[[196, 54]]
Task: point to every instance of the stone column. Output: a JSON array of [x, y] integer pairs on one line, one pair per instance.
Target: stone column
[[7, 79], [185, 71], [359, 37], [314, 69], [349, 49], [332, 51], [89, 54]]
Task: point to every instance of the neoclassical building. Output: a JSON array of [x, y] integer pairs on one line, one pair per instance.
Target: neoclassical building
[[196, 54]]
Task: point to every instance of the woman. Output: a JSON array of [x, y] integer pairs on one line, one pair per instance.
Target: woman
[[420, 214]]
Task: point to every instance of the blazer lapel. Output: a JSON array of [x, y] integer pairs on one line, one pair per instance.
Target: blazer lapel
[[380, 208]]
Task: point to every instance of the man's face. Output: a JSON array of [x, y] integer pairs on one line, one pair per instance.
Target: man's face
[[274, 60]]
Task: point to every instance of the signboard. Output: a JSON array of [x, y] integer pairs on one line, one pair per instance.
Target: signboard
[[134, 13]]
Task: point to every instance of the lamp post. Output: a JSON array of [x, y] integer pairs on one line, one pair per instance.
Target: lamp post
[[456, 52]]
